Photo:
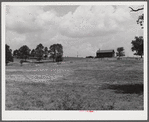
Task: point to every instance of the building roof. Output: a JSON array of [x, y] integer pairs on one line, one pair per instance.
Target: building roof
[[105, 51]]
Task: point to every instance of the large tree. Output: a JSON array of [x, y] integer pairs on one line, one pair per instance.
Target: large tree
[[39, 51], [24, 52], [56, 52], [120, 52], [9, 57], [16, 53], [137, 46]]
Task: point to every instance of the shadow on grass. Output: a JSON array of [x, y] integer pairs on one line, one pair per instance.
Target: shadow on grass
[[126, 88]]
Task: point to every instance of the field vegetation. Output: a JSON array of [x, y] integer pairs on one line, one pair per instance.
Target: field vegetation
[[75, 84]]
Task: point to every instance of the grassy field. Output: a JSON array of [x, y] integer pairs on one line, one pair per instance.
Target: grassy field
[[75, 84]]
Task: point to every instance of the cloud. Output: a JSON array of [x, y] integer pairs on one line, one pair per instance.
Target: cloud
[[28, 19], [22, 19], [89, 21], [85, 21]]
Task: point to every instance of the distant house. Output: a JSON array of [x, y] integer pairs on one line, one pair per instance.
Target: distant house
[[105, 53]]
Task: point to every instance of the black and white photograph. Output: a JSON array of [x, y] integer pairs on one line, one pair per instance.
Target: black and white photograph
[[86, 60]]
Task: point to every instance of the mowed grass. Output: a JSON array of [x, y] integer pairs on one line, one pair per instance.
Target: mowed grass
[[85, 84]]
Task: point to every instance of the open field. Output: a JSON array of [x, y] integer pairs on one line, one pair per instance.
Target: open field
[[75, 84]]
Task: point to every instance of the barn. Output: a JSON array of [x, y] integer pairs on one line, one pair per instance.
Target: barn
[[105, 53]]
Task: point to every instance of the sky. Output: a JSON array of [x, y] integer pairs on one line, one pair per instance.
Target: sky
[[81, 29]]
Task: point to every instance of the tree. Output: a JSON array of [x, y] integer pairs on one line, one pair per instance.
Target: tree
[[56, 52], [39, 51], [24, 52], [120, 52], [59, 58], [140, 18], [33, 53], [9, 57], [16, 53], [45, 52], [137, 46]]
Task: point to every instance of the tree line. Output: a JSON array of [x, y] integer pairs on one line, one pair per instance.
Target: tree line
[[55, 52]]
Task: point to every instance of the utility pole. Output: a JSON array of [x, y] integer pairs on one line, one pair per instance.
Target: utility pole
[[77, 54]]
